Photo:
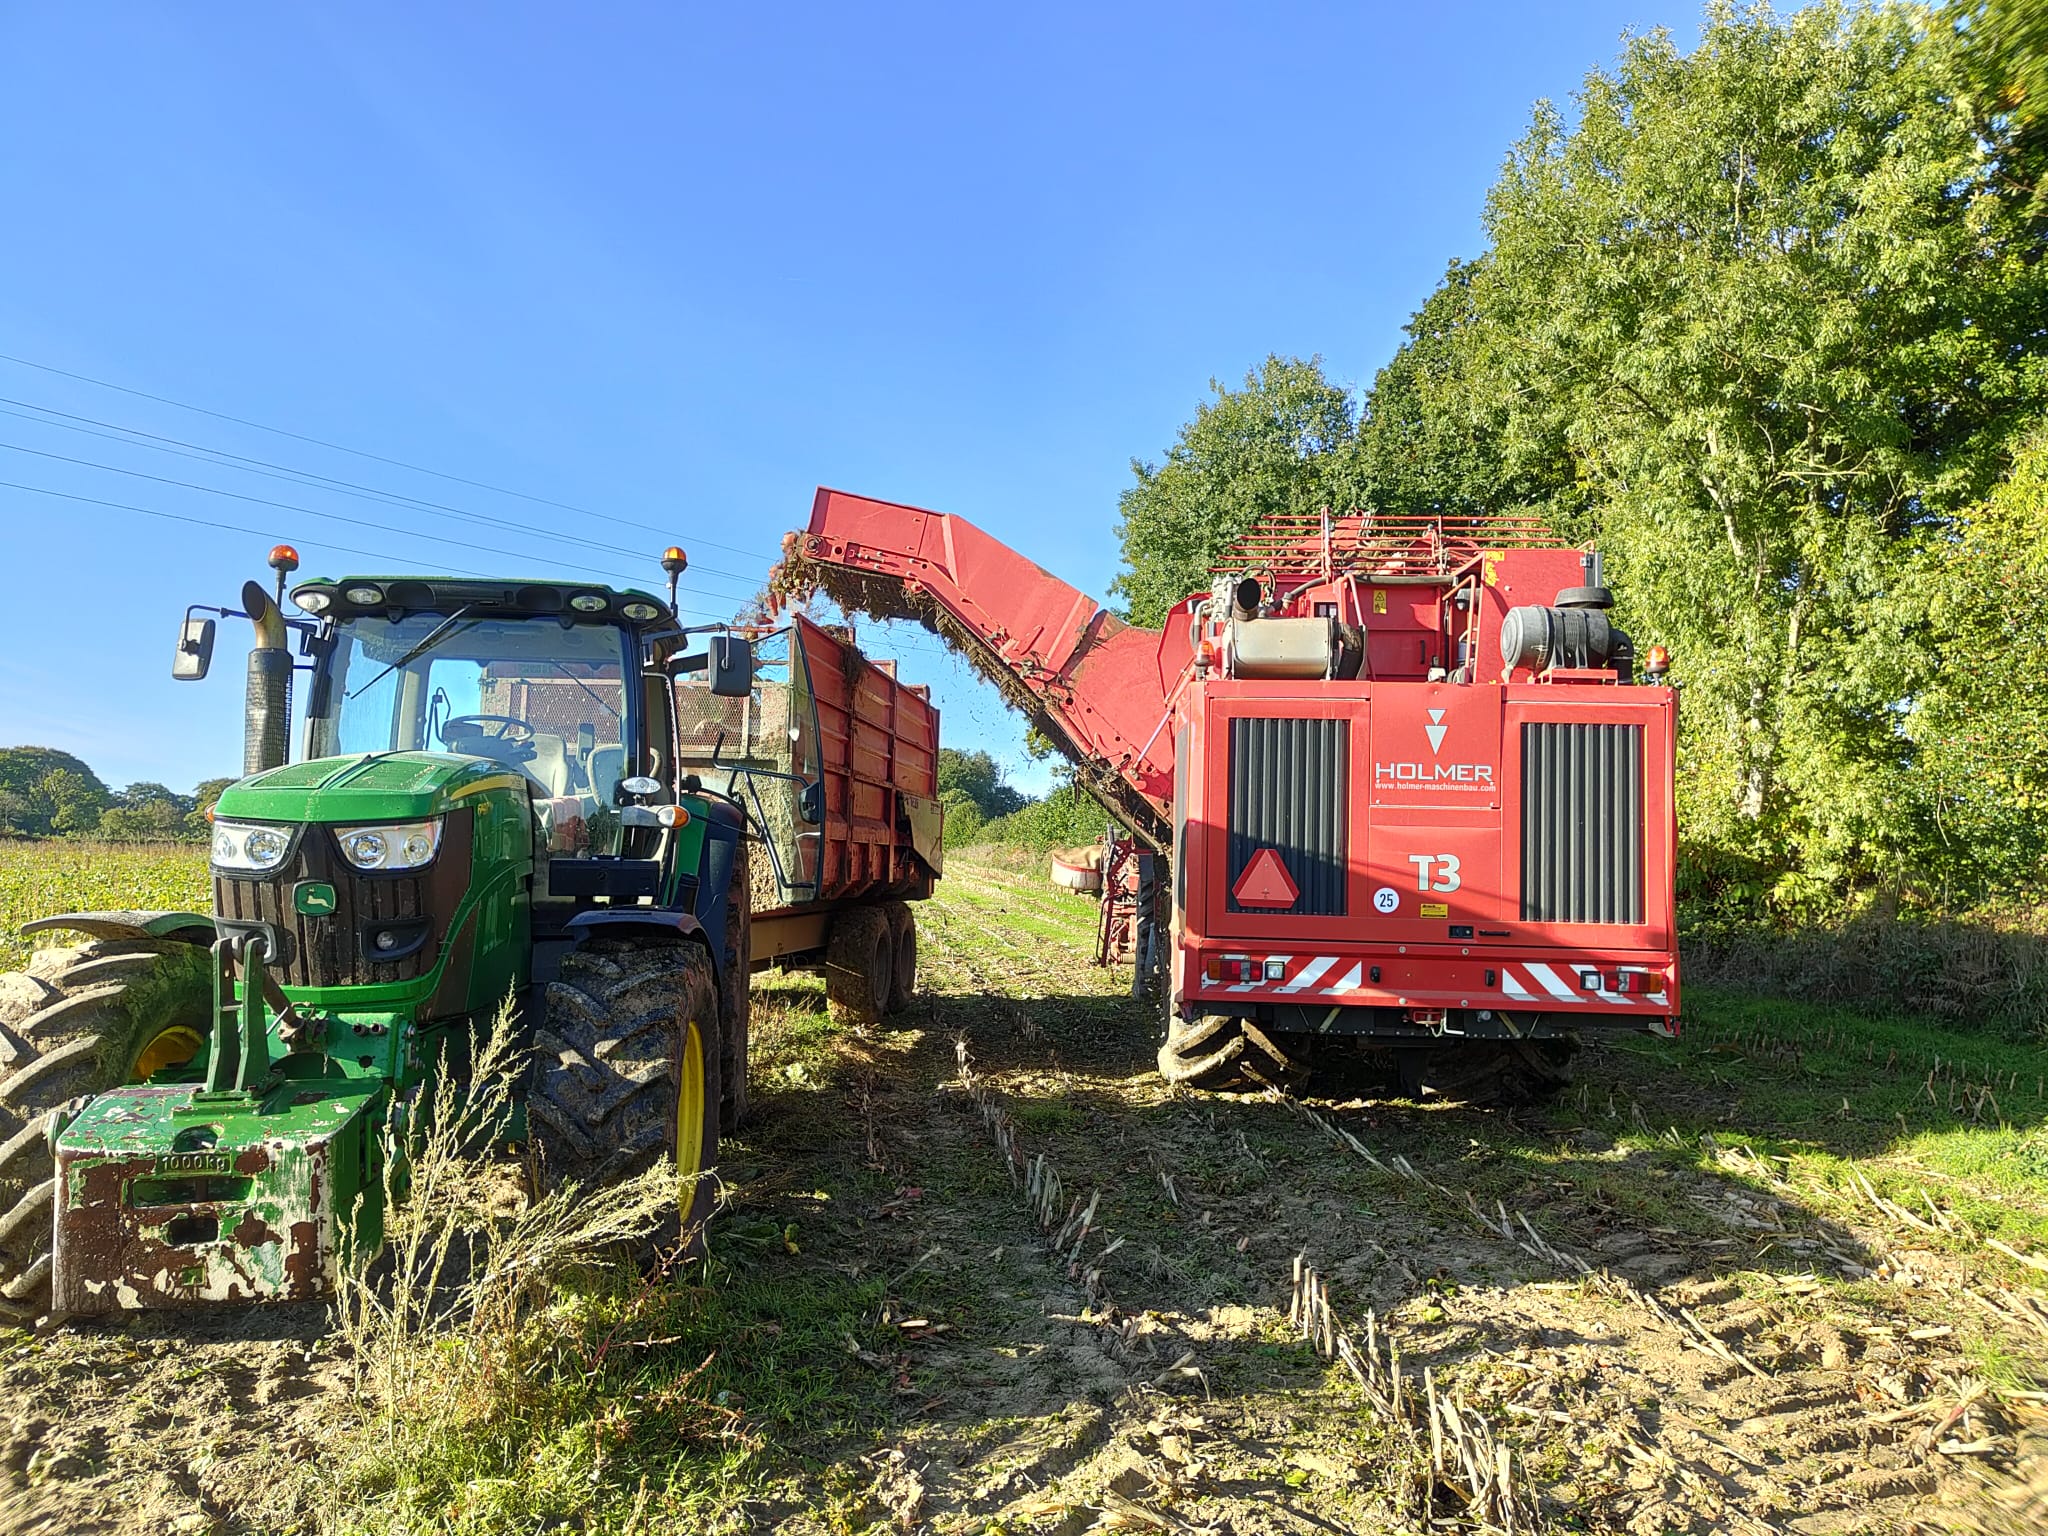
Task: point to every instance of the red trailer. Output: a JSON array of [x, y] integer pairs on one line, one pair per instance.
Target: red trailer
[[1409, 785], [836, 762]]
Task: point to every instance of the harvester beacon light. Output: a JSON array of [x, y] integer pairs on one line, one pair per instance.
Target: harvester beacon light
[[402, 845], [249, 849], [1657, 664]]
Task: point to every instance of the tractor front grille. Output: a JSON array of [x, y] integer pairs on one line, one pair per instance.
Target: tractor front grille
[[1288, 782], [331, 949], [1582, 823]]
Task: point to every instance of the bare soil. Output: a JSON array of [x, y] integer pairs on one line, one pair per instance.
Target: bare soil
[[1663, 1339]]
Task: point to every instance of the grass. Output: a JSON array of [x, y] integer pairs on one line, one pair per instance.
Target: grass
[[41, 879]]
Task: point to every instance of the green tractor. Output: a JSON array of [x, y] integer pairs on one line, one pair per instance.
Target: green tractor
[[202, 1108]]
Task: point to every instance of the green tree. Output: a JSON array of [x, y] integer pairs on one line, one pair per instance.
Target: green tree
[[1282, 443], [1430, 434], [199, 821], [977, 779], [1979, 726], [1770, 299]]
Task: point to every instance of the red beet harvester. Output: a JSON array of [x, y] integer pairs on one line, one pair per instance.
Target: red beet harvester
[[1410, 788]]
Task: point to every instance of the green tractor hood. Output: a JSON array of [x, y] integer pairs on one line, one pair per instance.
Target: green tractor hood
[[368, 787]]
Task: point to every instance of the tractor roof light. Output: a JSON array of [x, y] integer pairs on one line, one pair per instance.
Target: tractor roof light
[[364, 596], [314, 599], [590, 602], [641, 612]]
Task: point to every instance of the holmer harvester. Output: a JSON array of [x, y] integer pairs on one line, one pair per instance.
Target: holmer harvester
[[1409, 787]]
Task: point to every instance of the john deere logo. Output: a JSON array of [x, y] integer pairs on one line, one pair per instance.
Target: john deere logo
[[313, 898]]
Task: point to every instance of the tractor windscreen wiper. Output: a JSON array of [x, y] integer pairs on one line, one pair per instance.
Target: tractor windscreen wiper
[[426, 642]]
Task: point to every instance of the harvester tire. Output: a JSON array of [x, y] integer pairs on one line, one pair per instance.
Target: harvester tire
[[1506, 1073], [903, 963], [860, 965], [626, 1071], [735, 994], [1218, 1051], [76, 1022]]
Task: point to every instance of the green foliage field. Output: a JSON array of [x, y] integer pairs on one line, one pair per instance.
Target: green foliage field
[[42, 878]]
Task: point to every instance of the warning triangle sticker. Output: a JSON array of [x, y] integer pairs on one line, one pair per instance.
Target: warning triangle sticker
[[1265, 882], [1436, 730]]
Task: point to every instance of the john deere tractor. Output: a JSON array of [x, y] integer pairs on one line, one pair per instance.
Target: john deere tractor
[[201, 1107]]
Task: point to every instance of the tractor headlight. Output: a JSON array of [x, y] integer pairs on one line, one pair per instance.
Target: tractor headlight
[[401, 845], [254, 850]]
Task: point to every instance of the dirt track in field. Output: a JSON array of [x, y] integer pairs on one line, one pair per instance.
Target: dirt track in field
[[1656, 1343]]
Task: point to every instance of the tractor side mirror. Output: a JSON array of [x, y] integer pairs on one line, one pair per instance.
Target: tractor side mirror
[[810, 802], [731, 663], [195, 650]]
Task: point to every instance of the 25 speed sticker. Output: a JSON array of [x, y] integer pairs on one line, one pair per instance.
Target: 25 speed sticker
[[1386, 899]]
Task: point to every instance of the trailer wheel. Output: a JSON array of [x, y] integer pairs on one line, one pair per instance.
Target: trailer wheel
[[79, 1021], [1220, 1050], [736, 993], [860, 964], [903, 965], [1506, 1072], [626, 1070]]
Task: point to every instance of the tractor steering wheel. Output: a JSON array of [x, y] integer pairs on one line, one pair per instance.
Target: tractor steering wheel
[[510, 728]]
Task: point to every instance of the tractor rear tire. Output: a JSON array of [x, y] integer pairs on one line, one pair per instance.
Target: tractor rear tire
[[860, 965], [736, 994], [1218, 1051], [1505, 1073], [77, 1022], [903, 964], [626, 1071]]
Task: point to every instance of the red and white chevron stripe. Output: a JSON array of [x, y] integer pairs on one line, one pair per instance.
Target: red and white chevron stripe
[[1522, 983]]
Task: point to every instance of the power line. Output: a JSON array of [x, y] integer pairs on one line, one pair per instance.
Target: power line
[[286, 506], [361, 453], [225, 460], [261, 533]]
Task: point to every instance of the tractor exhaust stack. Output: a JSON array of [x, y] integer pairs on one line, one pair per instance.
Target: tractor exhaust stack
[[268, 712]]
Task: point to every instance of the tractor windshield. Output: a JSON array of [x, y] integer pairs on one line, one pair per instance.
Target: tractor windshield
[[541, 697]]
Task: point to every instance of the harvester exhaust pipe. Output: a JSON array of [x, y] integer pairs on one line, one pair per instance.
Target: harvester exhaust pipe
[[267, 713]]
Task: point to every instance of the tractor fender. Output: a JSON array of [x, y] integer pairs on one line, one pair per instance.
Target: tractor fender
[[643, 920], [179, 927]]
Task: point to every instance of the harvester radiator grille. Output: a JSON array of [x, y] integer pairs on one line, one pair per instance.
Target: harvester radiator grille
[[1582, 823], [1288, 783]]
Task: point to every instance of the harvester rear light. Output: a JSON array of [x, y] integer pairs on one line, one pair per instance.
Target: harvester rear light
[[1231, 968], [249, 849], [401, 845]]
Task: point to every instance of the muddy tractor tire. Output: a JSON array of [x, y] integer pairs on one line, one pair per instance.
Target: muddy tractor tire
[[1218, 1051], [626, 1071], [735, 996], [903, 964], [77, 1022], [860, 966], [1504, 1073]]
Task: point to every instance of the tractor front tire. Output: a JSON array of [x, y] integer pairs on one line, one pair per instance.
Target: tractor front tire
[[860, 966], [736, 994], [77, 1022], [1218, 1051], [903, 962], [626, 1071]]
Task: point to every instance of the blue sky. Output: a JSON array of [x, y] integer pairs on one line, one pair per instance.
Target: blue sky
[[676, 265]]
